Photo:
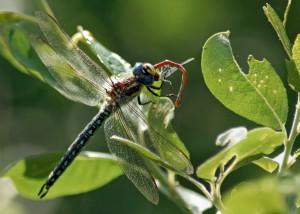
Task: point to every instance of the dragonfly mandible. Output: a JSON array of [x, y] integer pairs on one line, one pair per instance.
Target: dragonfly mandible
[[86, 82]]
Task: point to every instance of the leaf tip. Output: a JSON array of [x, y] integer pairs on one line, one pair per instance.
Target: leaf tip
[[265, 8], [250, 58], [226, 33]]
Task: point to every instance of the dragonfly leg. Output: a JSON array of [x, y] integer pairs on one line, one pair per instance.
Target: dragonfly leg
[[161, 85], [171, 95], [155, 94], [184, 77]]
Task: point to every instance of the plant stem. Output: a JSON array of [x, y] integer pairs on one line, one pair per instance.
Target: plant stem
[[27, 18], [292, 137], [218, 204], [170, 190], [16, 17], [287, 10], [216, 186], [198, 185]]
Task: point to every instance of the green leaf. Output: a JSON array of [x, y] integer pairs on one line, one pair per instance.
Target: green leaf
[[146, 153], [259, 142], [22, 51], [267, 164], [15, 48], [13, 39], [115, 63], [160, 114], [261, 196], [289, 185], [88, 171], [259, 96], [293, 75], [293, 66], [233, 136], [267, 195], [279, 28], [296, 51], [5, 51], [139, 148]]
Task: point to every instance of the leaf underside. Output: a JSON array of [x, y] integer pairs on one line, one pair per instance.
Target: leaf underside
[[258, 96]]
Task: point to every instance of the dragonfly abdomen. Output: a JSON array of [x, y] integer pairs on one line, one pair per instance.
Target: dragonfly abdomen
[[77, 146]]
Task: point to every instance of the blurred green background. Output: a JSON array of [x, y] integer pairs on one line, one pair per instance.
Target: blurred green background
[[34, 118]]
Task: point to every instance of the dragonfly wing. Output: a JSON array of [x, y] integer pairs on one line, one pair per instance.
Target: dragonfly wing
[[131, 162], [75, 87], [154, 139], [65, 47], [115, 63], [167, 71]]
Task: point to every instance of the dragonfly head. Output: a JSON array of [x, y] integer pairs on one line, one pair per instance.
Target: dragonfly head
[[145, 73]]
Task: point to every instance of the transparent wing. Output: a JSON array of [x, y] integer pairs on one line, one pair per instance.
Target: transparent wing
[[130, 161], [75, 87], [167, 71], [64, 47], [115, 63], [146, 135]]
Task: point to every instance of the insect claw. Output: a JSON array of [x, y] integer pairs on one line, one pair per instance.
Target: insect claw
[[177, 104], [171, 95], [168, 81], [42, 195]]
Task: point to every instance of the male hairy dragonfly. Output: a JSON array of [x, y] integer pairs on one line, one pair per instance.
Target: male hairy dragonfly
[[86, 82]]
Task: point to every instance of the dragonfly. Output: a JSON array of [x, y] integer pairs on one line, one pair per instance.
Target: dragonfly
[[87, 82]]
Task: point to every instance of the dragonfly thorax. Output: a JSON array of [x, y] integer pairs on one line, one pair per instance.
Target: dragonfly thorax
[[124, 90], [145, 73]]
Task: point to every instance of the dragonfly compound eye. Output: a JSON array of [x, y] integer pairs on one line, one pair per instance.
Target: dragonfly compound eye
[[144, 73], [137, 69]]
